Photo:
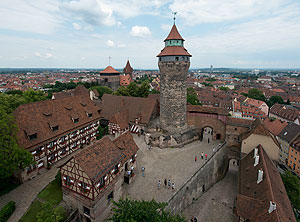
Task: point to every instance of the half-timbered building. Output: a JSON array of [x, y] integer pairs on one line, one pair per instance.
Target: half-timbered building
[[53, 129], [93, 178], [118, 123]]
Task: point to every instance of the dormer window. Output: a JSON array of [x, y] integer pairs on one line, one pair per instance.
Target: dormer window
[[54, 128], [32, 136], [89, 115], [75, 120], [83, 104]]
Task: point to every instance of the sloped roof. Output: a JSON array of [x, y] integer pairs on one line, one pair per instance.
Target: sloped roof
[[126, 143], [254, 199], [36, 117], [174, 50], [128, 69], [289, 132], [275, 126], [108, 70], [120, 118], [137, 107], [285, 112], [99, 158], [174, 34]]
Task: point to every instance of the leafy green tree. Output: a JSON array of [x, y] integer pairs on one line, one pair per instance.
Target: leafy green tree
[[224, 88], [51, 213], [133, 89], [122, 91], [33, 96], [275, 99], [154, 91], [102, 90], [19, 92], [143, 90], [292, 186], [256, 94], [135, 211], [101, 133], [192, 97], [207, 84], [12, 156]]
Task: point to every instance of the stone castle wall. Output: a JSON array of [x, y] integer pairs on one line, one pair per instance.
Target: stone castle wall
[[210, 173], [173, 86]]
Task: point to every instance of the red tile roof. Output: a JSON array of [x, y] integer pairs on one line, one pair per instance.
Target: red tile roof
[[120, 118], [174, 50], [285, 112], [128, 69], [254, 198], [37, 118], [108, 70], [275, 126], [174, 34]]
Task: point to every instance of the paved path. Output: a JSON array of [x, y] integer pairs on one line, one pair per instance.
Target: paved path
[[176, 164], [26, 193], [216, 204]]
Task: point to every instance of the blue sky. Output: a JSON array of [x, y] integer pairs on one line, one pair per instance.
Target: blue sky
[[84, 33]]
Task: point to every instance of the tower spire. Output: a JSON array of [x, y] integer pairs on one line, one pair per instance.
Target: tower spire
[[174, 13]]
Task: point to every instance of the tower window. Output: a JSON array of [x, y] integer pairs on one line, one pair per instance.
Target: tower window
[[176, 58], [160, 59]]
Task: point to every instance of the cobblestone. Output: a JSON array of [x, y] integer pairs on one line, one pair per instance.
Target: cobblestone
[[216, 204], [176, 164]]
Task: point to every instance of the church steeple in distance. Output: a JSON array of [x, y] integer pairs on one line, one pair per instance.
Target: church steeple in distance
[[174, 63]]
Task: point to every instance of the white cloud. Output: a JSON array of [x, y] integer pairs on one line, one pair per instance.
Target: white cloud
[[46, 55], [30, 16], [140, 31], [110, 43], [93, 12], [203, 11], [76, 26]]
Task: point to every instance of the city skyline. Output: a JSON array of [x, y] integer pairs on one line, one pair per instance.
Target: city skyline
[[84, 33]]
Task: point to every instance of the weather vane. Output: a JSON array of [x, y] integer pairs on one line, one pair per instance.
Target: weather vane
[[174, 13]]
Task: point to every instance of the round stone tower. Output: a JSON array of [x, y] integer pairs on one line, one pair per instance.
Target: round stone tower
[[174, 63]]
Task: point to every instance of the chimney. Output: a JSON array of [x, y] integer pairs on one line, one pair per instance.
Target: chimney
[[256, 160], [272, 207], [260, 176], [255, 152]]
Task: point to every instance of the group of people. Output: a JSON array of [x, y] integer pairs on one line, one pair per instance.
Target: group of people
[[202, 156], [167, 183]]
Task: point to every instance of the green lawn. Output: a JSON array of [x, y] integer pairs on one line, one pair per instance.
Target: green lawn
[[30, 216], [52, 193]]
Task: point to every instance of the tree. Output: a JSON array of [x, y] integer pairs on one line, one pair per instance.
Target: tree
[[135, 211], [12, 156], [224, 88], [256, 94], [133, 89], [192, 97], [275, 99], [292, 186], [50, 213], [211, 79], [102, 90], [122, 91], [143, 90], [154, 91]]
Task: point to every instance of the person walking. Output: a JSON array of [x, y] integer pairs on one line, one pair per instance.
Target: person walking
[[169, 184], [143, 171], [173, 186], [165, 182], [158, 184], [195, 158], [195, 219], [206, 156], [214, 150], [202, 155]]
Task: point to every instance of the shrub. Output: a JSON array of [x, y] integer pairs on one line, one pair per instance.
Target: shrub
[[7, 211]]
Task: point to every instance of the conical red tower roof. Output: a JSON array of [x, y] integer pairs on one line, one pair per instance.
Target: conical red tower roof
[[174, 34], [109, 69], [128, 69]]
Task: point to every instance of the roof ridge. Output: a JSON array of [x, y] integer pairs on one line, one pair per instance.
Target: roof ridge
[[262, 151]]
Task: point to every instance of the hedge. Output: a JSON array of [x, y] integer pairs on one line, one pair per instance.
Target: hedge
[[7, 211]]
